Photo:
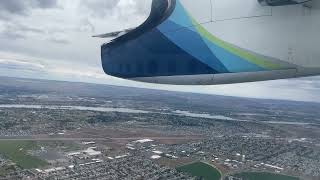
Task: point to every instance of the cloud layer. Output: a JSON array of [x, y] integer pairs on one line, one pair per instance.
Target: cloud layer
[[23, 7]]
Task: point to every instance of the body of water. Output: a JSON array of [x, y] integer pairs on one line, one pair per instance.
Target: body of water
[[79, 108]]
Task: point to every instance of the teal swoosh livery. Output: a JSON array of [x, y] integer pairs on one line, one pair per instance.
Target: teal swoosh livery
[[231, 57]]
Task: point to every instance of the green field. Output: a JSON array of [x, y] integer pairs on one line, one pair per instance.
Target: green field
[[60, 145], [200, 169], [263, 176], [16, 151]]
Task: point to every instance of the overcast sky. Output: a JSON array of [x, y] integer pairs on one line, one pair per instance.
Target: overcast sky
[[51, 39]]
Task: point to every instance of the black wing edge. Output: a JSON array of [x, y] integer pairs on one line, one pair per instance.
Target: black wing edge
[[160, 11]]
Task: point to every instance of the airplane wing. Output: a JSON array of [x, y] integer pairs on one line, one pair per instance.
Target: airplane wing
[[187, 42]]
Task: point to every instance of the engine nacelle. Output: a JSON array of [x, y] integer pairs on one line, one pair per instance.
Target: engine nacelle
[[218, 42]]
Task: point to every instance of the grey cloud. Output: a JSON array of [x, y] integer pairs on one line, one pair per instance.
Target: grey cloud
[[21, 65], [86, 26], [25, 68], [100, 8], [46, 3], [119, 8], [59, 39], [12, 35], [11, 26], [136, 8], [141, 7], [14, 6], [14, 30], [23, 7]]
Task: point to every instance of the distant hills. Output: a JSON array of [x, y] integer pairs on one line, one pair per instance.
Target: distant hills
[[190, 101]]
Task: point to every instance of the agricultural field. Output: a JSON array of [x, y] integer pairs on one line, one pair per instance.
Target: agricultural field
[[263, 176], [16, 151], [200, 169]]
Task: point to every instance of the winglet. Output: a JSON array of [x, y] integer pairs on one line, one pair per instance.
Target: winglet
[[113, 34]]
